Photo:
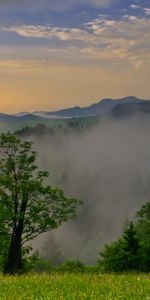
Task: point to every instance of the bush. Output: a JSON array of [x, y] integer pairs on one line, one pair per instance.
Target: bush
[[91, 269], [42, 266], [72, 267], [37, 264]]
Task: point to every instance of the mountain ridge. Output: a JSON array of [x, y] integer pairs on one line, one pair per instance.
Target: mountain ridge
[[102, 106]]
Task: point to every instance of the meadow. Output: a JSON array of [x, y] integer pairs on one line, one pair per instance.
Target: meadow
[[75, 287]]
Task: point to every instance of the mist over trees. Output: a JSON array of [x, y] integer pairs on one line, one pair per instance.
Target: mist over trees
[[108, 167]]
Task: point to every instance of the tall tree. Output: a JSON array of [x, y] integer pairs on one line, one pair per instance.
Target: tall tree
[[131, 247], [142, 226], [123, 254], [28, 207], [132, 250]]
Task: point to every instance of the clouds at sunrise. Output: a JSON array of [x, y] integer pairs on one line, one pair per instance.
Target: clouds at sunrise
[[64, 53]]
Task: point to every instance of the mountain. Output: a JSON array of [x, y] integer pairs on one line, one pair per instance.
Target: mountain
[[103, 106], [131, 109], [107, 107]]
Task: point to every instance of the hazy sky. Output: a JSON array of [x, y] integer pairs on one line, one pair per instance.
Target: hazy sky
[[61, 53]]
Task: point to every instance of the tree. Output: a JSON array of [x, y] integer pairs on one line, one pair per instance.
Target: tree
[[122, 255], [28, 207], [4, 240], [132, 250], [131, 247], [142, 225], [112, 257]]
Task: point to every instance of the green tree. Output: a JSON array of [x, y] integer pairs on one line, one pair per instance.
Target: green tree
[[132, 250], [4, 242], [28, 207], [131, 247], [113, 257], [142, 225], [122, 255]]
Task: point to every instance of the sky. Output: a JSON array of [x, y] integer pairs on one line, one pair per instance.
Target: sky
[[56, 54]]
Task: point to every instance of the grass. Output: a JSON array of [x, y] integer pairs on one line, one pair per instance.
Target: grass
[[75, 287]]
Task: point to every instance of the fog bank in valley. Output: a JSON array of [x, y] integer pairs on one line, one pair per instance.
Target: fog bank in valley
[[108, 168]]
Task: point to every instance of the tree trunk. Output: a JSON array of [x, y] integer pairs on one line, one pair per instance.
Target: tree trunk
[[14, 261]]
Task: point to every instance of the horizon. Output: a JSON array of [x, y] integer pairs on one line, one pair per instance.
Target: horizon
[[70, 52]]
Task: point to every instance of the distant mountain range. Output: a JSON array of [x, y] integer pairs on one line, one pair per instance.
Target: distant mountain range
[[107, 107], [102, 107]]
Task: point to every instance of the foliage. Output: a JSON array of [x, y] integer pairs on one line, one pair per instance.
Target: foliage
[[142, 224], [72, 267], [113, 258], [34, 263], [28, 207], [132, 250]]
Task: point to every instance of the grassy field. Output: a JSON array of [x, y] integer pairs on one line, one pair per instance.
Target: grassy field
[[75, 287]]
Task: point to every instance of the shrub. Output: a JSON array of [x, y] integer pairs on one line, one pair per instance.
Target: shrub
[[72, 266]]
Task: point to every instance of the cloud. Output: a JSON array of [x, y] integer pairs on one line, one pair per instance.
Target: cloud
[[128, 37], [58, 5], [49, 32], [133, 6], [125, 42], [147, 11]]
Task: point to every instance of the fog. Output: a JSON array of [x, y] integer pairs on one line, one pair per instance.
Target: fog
[[108, 168]]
